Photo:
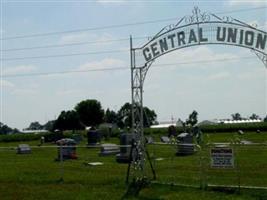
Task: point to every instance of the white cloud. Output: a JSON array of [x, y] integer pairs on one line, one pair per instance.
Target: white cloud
[[253, 74], [111, 1], [73, 38], [7, 84], [103, 64], [104, 39], [96, 67], [247, 2], [30, 89], [101, 40], [194, 56], [204, 53], [25, 91], [70, 92], [219, 76], [19, 69]]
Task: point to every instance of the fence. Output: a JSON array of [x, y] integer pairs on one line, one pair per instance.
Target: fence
[[244, 167], [46, 165]]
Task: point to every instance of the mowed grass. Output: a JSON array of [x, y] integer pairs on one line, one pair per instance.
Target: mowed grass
[[37, 175]]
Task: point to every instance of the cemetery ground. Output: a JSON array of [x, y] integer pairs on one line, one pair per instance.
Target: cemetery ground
[[37, 175]]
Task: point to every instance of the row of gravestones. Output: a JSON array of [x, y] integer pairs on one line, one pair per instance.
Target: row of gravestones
[[122, 152], [67, 147], [184, 147]]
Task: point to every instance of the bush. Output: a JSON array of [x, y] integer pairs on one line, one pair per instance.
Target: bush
[[20, 137], [217, 128]]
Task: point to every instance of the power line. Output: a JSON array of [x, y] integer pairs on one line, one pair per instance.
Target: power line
[[78, 43], [72, 44], [88, 29], [116, 25], [123, 67], [65, 55]]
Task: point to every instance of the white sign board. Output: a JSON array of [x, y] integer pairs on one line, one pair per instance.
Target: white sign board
[[222, 157]]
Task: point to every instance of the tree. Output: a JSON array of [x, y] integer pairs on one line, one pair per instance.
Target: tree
[[49, 125], [35, 126], [125, 116], [110, 116], [90, 112], [150, 117], [254, 116], [236, 116], [4, 129], [192, 119], [265, 119], [68, 120]]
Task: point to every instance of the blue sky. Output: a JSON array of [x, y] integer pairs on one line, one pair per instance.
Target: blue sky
[[215, 90]]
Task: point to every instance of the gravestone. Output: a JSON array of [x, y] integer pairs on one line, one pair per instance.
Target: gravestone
[[165, 139], [77, 137], [93, 137], [149, 140], [109, 149], [126, 140], [23, 149], [66, 147], [185, 145]]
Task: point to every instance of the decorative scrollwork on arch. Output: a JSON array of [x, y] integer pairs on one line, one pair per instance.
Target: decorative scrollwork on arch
[[254, 25], [227, 19], [163, 30], [197, 17]]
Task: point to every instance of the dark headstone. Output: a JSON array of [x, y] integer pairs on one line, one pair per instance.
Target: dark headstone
[[125, 148], [185, 145], [185, 138], [93, 137]]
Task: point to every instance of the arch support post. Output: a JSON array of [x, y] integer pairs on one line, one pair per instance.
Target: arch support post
[[138, 153]]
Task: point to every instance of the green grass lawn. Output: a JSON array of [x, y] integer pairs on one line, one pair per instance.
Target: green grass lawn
[[37, 175]]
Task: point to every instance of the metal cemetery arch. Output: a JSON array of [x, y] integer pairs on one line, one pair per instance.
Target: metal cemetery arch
[[200, 28]]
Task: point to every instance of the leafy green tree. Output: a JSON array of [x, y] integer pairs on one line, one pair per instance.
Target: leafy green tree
[[90, 112], [49, 125], [236, 116], [192, 119], [35, 126], [4, 129], [68, 120], [150, 117], [254, 116], [125, 116], [110, 116], [265, 119]]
